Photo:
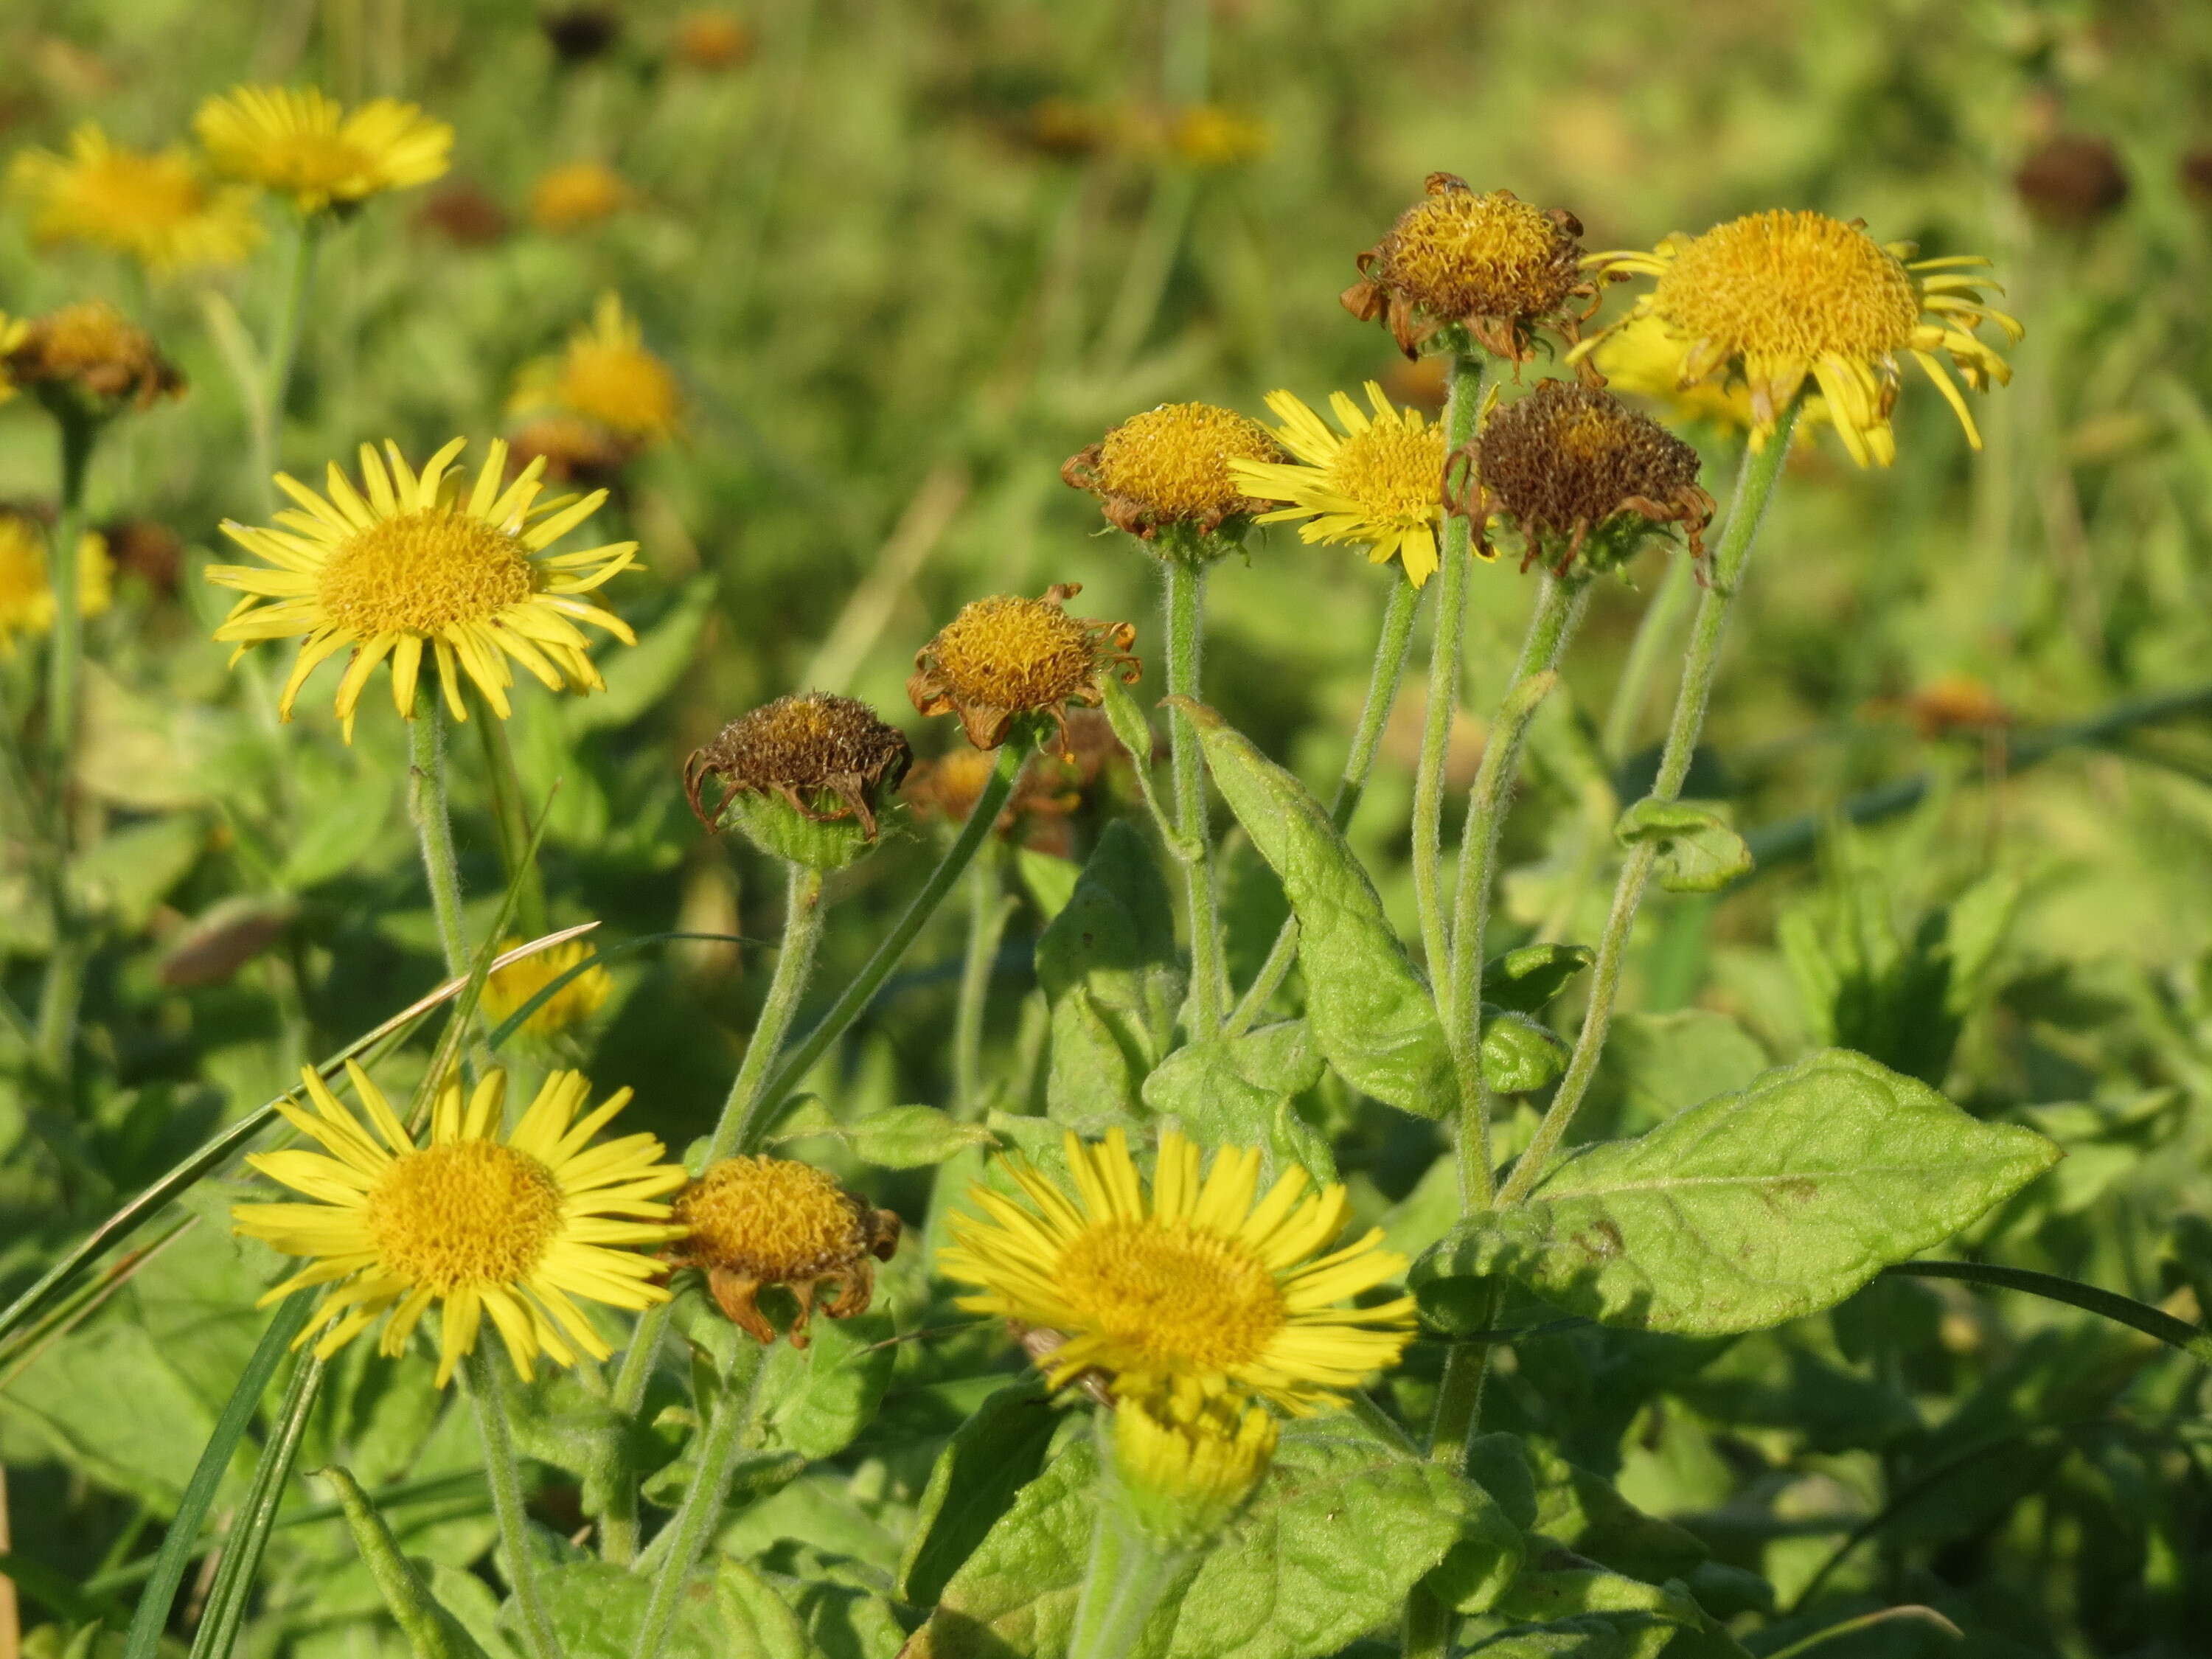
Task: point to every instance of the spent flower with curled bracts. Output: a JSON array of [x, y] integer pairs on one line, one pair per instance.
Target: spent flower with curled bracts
[[27, 594], [1191, 1285], [1378, 481], [1005, 658], [829, 758], [406, 565], [1492, 265], [159, 209], [753, 1222], [88, 362], [1164, 475], [299, 142], [1581, 477], [1780, 299], [515, 1226]]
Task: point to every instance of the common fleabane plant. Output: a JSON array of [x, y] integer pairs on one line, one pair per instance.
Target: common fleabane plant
[[1191, 1409]]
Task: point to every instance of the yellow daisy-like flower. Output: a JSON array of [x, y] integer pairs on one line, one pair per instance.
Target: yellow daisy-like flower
[[1379, 481], [516, 1228], [1194, 1287], [27, 599], [301, 143], [1775, 299], [606, 376], [405, 563], [12, 330], [158, 208], [508, 988], [576, 194]]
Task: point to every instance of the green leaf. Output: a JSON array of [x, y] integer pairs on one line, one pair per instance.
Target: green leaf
[[1371, 1011], [1698, 851], [431, 1632], [1519, 1053], [597, 1608], [1241, 1091], [1341, 1528], [1527, 979], [127, 874], [895, 1138], [1752, 1208], [1585, 1512], [1049, 878], [640, 677], [990, 1459], [1109, 965], [818, 1399], [753, 1621], [339, 829], [1657, 1065], [1646, 1619]]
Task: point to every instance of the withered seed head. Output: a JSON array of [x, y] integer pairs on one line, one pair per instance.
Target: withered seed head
[[2072, 179], [1006, 656], [756, 1221], [88, 359], [829, 756], [580, 34], [1169, 466], [1492, 264], [1577, 472]]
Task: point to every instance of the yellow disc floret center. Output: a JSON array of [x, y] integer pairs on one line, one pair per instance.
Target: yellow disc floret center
[[1176, 1292], [620, 386], [769, 1219], [315, 161], [1013, 652], [467, 1212], [1461, 252], [1789, 286], [1395, 474], [423, 572], [1175, 459]]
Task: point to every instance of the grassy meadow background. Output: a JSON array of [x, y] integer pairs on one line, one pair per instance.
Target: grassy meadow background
[[905, 257]]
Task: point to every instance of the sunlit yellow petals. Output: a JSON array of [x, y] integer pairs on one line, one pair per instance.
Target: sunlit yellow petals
[[1378, 481], [300, 143]]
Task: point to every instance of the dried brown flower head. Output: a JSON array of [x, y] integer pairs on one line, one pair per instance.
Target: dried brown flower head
[[756, 1221], [580, 34], [2072, 179], [92, 359], [147, 548], [829, 757], [1492, 264], [1049, 790], [713, 40], [1004, 657], [1169, 466], [465, 214], [1578, 473], [2195, 172], [576, 451]]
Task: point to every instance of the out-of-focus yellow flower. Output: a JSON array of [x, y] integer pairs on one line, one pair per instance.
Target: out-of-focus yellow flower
[[606, 374], [1379, 481], [509, 987], [713, 40], [576, 194], [404, 565], [301, 143], [1209, 136], [158, 208], [26, 595], [88, 362], [12, 330], [1775, 300]]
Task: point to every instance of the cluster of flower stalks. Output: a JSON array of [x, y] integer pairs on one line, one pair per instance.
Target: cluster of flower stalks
[[1197, 1297]]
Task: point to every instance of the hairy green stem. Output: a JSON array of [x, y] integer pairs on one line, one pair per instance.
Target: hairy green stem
[[503, 1475], [988, 908], [1129, 1573], [678, 1550], [63, 986], [1464, 405], [1382, 681], [1185, 631], [434, 830], [1754, 489], [745, 1111]]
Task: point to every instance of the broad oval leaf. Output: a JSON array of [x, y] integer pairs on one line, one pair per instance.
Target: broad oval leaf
[[1698, 851], [1752, 1208]]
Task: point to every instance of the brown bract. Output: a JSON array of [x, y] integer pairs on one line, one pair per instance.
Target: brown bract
[[576, 451], [93, 355], [1006, 656], [1492, 264], [813, 750], [759, 1221], [1169, 465], [1047, 791], [1566, 463]]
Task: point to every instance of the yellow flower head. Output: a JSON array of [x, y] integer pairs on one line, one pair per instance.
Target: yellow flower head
[[1210, 135], [756, 1221], [405, 562], [158, 209], [89, 359], [1775, 299], [300, 143], [605, 375], [1380, 480], [713, 40], [1492, 264], [12, 330], [1191, 1287], [509, 987], [1186, 1465], [1169, 465], [1006, 656], [515, 1228], [576, 194], [26, 598]]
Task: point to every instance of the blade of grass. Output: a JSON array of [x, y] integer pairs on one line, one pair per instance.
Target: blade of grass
[[2191, 1339], [249, 1535]]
